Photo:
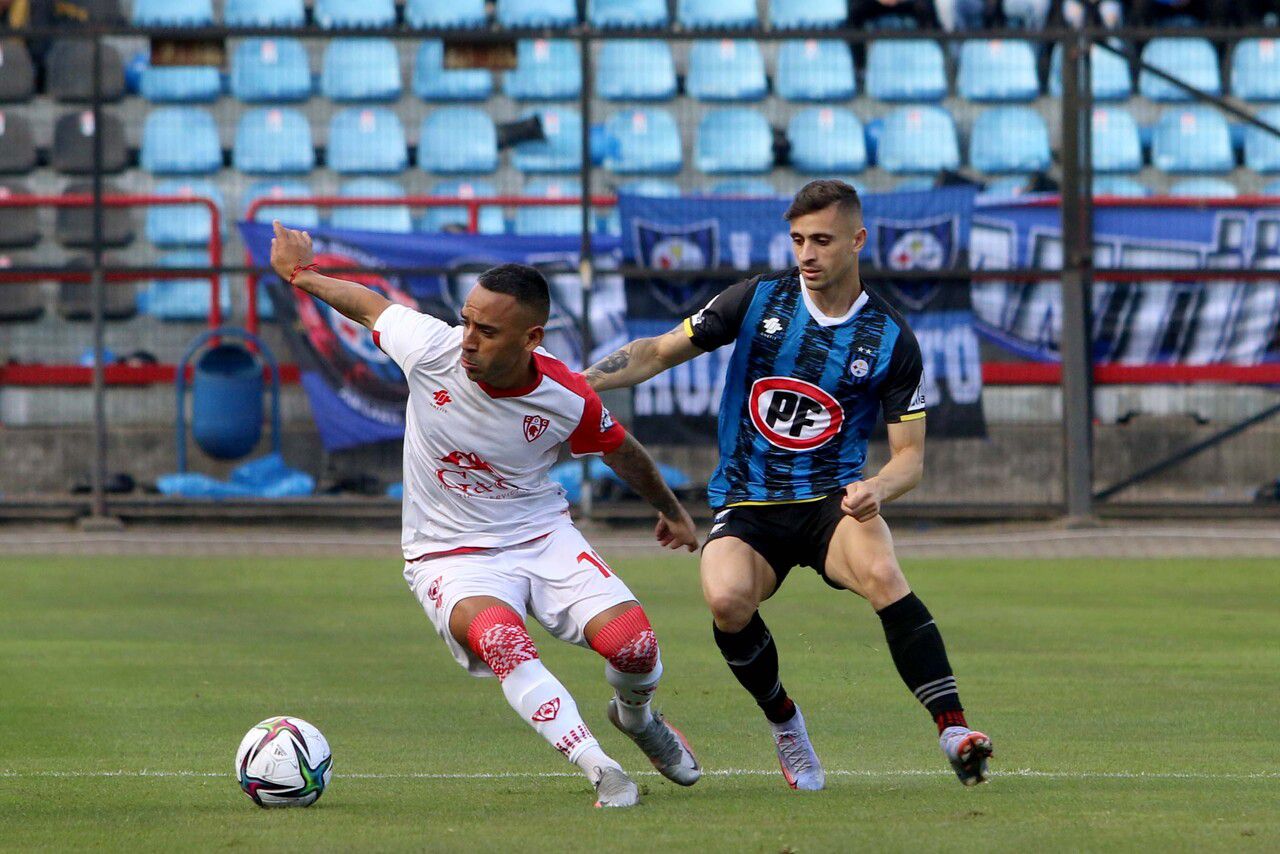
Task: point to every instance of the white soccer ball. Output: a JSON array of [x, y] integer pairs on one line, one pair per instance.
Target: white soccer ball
[[284, 762]]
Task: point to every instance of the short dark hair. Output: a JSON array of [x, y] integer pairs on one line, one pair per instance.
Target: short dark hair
[[821, 194], [525, 283]]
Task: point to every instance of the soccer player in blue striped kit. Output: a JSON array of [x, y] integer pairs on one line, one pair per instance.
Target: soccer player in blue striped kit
[[817, 357]]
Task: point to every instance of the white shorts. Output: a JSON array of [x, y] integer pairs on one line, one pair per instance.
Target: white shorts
[[559, 579]]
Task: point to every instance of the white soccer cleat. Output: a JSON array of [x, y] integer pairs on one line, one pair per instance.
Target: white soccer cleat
[[967, 750], [666, 747], [615, 789], [800, 765]]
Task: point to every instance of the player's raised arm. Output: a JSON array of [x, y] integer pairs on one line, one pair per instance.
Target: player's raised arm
[[643, 358], [633, 464], [293, 260]]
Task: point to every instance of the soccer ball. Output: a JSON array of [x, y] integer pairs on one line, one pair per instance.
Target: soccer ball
[[284, 762]]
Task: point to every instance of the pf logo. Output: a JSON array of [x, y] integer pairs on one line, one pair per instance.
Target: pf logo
[[794, 414], [547, 711]]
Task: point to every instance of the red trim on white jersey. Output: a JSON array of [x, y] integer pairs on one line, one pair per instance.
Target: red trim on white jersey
[[518, 391], [468, 550], [592, 435]]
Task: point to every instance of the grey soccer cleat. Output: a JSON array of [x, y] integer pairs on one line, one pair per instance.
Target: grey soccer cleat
[[666, 747], [968, 751], [800, 764], [615, 789]]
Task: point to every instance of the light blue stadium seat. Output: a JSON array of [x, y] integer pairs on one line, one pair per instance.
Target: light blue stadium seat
[[180, 141], [1192, 139], [561, 219], [394, 219], [807, 14], [264, 13], [182, 226], [1119, 185], [360, 70], [653, 188], [1262, 149], [366, 140], [1255, 70], [918, 140], [445, 14], [636, 70], [734, 140], [1272, 189], [546, 70], [270, 71], [643, 142], [432, 82], [745, 187], [458, 140], [697, 14], [182, 300], [537, 13], [195, 84], [1204, 188], [172, 13], [1191, 60], [627, 13], [911, 70], [333, 14], [916, 184], [1007, 187], [812, 70], [294, 216], [1109, 75], [491, 221], [1009, 140], [273, 141], [827, 140], [998, 70], [561, 151], [1115, 143], [726, 70]]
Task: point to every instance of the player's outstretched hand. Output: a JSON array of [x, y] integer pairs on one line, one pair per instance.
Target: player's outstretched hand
[[289, 249], [675, 533], [862, 500]]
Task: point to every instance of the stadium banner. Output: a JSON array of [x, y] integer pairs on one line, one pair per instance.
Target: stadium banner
[[357, 394], [1135, 323], [925, 230]]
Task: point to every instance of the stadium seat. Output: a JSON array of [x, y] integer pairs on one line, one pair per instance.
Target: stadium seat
[[19, 227], [68, 72], [733, 140], [537, 13], [182, 300], [546, 70], [998, 70], [1272, 189], [826, 140], [273, 141], [1007, 187], [273, 71], [744, 187], [188, 84], [360, 70], [918, 140], [812, 70], [1192, 139], [1204, 188], [561, 220], [1191, 60], [73, 144], [1255, 70], [627, 13], [700, 14], [182, 226], [1009, 140], [432, 82], [294, 216], [643, 142], [1109, 75], [23, 302], [635, 70], [561, 151], [807, 14], [492, 220], [75, 299], [366, 140], [264, 13], [458, 140], [445, 14], [911, 70], [336, 14], [180, 141], [1115, 143], [74, 226], [1119, 185], [17, 144], [726, 70], [653, 188], [388, 218], [17, 74], [1262, 149], [172, 13]]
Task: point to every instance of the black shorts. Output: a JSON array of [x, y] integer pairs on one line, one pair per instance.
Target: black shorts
[[785, 535]]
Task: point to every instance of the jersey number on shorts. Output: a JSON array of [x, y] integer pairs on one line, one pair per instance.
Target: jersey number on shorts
[[594, 559]]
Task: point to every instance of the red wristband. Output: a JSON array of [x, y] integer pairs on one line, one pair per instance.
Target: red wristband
[[299, 268]]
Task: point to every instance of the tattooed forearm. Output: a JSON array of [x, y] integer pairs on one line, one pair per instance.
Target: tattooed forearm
[[634, 465], [610, 364]]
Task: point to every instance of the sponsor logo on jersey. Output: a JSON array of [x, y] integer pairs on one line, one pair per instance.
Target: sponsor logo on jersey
[[441, 397], [534, 426], [793, 414], [917, 399], [771, 326], [465, 472], [606, 420], [547, 711]]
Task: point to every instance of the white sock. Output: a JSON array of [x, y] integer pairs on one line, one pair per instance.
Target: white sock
[[545, 704], [634, 692]]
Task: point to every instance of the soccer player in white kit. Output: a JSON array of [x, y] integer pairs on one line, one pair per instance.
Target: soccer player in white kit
[[487, 536]]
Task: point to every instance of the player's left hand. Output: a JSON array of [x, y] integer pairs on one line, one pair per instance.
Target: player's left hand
[[674, 533], [862, 500]]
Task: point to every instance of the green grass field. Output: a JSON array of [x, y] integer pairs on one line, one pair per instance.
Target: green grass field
[[1132, 704]]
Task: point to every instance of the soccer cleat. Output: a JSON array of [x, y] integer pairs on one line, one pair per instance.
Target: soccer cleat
[[615, 789], [968, 751], [800, 765], [666, 747]]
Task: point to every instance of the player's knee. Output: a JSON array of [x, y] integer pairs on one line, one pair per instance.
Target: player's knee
[[628, 642], [881, 580], [498, 637], [731, 609]]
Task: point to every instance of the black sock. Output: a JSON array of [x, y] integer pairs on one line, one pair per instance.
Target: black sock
[[753, 658], [918, 652]]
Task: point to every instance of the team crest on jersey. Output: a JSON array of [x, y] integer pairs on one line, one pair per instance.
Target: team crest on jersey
[[859, 368], [793, 414], [534, 426]]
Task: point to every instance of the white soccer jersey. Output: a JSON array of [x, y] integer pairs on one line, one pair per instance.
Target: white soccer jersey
[[476, 457]]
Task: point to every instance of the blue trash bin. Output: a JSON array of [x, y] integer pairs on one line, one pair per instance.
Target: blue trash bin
[[226, 402]]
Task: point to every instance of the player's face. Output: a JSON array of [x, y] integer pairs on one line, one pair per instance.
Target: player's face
[[498, 334], [826, 244]]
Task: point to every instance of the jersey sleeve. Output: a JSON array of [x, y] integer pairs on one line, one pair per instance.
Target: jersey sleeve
[[410, 337], [718, 322], [597, 432], [902, 393]]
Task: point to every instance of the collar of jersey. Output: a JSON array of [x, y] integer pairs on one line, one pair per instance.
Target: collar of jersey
[[826, 320], [518, 391]]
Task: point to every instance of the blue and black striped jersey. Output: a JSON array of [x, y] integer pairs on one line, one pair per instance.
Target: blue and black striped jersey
[[803, 390]]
